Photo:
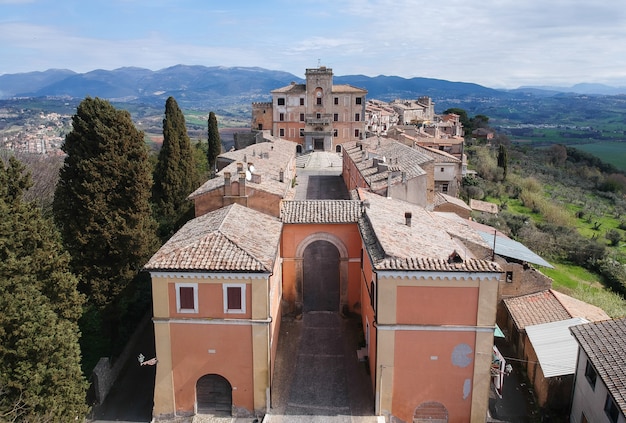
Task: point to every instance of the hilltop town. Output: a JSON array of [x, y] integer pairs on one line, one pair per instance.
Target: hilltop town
[[331, 271]]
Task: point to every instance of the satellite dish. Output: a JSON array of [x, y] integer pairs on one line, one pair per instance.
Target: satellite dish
[[251, 168], [248, 175]]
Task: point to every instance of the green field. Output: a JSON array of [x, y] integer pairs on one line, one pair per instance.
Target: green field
[[609, 152]]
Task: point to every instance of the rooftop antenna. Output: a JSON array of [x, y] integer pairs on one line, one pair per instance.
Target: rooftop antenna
[[318, 63]]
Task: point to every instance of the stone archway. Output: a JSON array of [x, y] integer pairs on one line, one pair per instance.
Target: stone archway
[[320, 281], [214, 395], [343, 266]]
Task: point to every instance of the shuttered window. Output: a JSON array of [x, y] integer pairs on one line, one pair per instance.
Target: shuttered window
[[186, 298], [234, 298]]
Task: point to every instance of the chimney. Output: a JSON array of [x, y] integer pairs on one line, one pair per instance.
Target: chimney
[[281, 175], [227, 187], [407, 218], [239, 167], [242, 184]]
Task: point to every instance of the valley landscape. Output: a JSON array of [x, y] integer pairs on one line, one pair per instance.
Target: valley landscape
[[591, 117]]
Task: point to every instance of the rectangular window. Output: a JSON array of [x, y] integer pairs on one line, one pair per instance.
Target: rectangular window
[[358, 100], [356, 133], [301, 132], [442, 169], [357, 117], [234, 298], [281, 117], [186, 298], [336, 100], [281, 131], [336, 117], [281, 101], [444, 187], [335, 133], [610, 408], [319, 101], [509, 277], [301, 117], [591, 375], [301, 102]]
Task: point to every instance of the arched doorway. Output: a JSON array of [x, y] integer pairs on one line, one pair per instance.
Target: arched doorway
[[321, 277], [430, 412], [214, 395], [343, 267]]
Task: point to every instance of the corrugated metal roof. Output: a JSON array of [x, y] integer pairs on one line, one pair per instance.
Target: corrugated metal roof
[[556, 348], [506, 247]]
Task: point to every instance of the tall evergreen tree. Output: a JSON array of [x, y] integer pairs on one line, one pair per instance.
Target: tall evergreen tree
[[215, 143], [503, 159], [102, 201], [175, 174], [40, 374]]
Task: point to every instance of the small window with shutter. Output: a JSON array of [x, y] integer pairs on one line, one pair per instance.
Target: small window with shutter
[[186, 298], [234, 298]]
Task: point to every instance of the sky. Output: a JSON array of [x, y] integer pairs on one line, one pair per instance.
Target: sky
[[494, 43]]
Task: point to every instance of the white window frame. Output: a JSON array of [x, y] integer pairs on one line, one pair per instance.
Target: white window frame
[[195, 297], [243, 298]]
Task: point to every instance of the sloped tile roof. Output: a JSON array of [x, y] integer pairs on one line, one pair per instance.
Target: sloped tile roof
[[233, 238], [605, 345], [268, 159], [441, 199], [424, 245], [534, 309], [398, 157], [321, 211]]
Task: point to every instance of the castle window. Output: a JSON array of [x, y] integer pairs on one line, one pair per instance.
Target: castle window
[[336, 100], [336, 117], [301, 117], [234, 298], [301, 102], [186, 298], [281, 132], [281, 101], [358, 100], [281, 117]]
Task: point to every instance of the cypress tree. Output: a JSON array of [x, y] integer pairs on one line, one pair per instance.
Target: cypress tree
[[503, 159], [102, 201], [215, 143], [40, 374], [175, 174]]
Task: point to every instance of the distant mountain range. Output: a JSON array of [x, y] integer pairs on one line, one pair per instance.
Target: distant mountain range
[[206, 87]]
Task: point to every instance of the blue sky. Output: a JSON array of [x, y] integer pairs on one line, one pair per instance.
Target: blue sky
[[495, 43]]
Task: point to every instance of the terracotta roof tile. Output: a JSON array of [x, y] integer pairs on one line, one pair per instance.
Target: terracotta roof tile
[[427, 244], [321, 211], [534, 309], [268, 158], [233, 238], [605, 345]]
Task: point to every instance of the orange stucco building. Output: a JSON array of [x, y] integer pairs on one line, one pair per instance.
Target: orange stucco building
[[426, 300]]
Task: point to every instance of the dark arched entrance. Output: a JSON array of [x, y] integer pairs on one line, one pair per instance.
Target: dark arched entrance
[[321, 277], [214, 395]]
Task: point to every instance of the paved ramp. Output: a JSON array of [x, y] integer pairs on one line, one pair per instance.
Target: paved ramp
[[318, 377]]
